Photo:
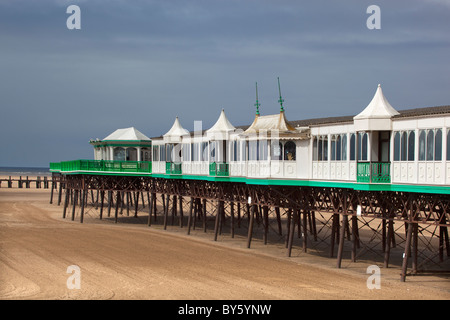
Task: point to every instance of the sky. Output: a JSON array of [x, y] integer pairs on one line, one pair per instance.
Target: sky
[[142, 63]]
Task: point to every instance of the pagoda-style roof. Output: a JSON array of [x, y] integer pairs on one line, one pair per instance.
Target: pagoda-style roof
[[221, 129], [377, 115], [127, 134], [275, 125], [175, 133], [123, 137]]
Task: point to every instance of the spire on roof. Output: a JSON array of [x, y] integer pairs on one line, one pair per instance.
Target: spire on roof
[[281, 100], [257, 104]]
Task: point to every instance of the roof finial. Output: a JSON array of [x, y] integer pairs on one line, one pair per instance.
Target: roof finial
[[281, 99], [257, 104]]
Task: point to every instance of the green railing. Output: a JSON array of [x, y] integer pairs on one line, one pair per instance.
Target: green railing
[[173, 168], [219, 169], [374, 172], [55, 166], [102, 166]]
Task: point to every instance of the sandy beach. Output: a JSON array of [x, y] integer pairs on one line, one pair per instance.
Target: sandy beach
[[134, 261]]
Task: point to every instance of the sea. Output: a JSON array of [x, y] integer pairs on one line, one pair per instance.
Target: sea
[[25, 171]]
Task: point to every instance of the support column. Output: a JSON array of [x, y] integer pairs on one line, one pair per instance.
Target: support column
[[407, 252], [191, 205], [292, 231], [250, 226]]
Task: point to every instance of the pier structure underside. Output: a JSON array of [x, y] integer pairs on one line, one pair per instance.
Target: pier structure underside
[[318, 220]]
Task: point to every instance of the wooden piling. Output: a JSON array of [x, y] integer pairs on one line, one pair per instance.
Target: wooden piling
[[250, 227]]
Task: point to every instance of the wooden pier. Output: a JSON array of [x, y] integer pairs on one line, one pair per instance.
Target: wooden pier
[[412, 224], [26, 182]]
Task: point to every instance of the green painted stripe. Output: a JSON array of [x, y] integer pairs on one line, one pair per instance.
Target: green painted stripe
[[280, 182]]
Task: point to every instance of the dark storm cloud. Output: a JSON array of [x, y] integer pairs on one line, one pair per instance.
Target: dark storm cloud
[[141, 63]]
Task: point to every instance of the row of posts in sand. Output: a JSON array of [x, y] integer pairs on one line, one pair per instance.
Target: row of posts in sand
[[38, 182]]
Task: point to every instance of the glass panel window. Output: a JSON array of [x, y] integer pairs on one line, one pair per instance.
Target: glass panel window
[[397, 146], [430, 145], [119, 154], [438, 145], [213, 151], [162, 153], [344, 147], [448, 145], [277, 149], [155, 153], [422, 145], [352, 147], [253, 150], [411, 145], [263, 149], [320, 149], [333, 148], [289, 151], [404, 146], [362, 146], [204, 151], [338, 148]]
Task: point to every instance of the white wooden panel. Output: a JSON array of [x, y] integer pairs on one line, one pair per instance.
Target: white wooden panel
[[403, 172], [429, 173], [412, 172], [353, 171], [422, 172], [448, 174], [290, 169], [438, 173], [315, 173], [396, 172], [333, 170]]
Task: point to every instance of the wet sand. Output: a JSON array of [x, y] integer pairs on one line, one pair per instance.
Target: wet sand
[[133, 261]]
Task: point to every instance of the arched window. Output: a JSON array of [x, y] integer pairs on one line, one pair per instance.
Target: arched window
[[422, 145], [404, 146], [204, 151], [344, 147], [212, 150], [448, 145], [333, 147], [145, 154], [289, 151], [430, 145], [314, 151], [320, 149], [397, 146], [338, 148], [411, 145], [119, 154], [438, 145], [363, 144], [169, 149], [352, 147]]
